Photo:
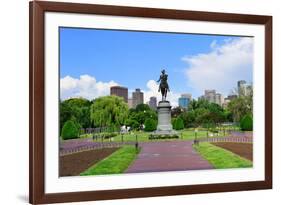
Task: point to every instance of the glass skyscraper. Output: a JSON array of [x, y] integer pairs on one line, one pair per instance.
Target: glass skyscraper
[[184, 100]]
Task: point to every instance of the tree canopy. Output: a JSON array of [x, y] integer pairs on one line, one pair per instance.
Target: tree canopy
[[109, 111], [240, 107], [150, 125], [76, 109], [139, 115], [204, 113]]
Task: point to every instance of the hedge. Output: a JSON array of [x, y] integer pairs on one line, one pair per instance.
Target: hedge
[[70, 130], [178, 123], [246, 123]]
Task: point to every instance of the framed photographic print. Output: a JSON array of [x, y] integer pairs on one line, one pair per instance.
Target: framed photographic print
[[138, 102]]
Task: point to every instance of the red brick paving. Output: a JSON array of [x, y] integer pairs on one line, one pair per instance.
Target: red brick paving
[[168, 156]]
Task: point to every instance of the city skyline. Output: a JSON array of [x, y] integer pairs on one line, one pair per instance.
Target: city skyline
[[91, 61], [210, 95]]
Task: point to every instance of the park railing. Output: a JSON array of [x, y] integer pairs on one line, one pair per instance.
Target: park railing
[[91, 130], [238, 139], [91, 146]]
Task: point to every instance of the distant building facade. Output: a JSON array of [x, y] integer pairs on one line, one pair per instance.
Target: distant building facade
[[130, 102], [210, 95], [213, 97], [244, 89], [228, 99], [219, 99], [120, 91], [153, 103], [184, 100], [241, 87], [137, 97]]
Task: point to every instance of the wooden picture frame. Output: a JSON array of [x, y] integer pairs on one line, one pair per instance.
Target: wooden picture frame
[[37, 101]]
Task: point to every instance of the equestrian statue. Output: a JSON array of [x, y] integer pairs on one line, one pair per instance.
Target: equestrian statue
[[163, 86]]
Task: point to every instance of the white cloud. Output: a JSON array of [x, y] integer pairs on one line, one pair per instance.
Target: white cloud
[[221, 68], [152, 90], [86, 86]]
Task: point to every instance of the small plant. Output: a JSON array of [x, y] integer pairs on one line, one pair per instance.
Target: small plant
[[70, 130]]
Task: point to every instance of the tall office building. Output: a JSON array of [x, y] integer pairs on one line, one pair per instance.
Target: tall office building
[[244, 89], [153, 103], [120, 91], [210, 95], [184, 100], [137, 97], [249, 90], [240, 83], [241, 87], [219, 99]]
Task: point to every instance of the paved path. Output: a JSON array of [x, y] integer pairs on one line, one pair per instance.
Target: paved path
[[168, 156]]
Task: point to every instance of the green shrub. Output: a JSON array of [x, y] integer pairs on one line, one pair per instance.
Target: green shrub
[[150, 125], [246, 123], [178, 123], [105, 135], [109, 135], [69, 130]]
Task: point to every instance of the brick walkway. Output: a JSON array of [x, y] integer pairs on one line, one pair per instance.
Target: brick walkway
[[168, 156]]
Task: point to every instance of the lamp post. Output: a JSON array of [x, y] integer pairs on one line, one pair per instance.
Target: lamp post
[[195, 133], [137, 144]]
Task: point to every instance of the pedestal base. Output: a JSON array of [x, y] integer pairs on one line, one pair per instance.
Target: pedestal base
[[164, 126]]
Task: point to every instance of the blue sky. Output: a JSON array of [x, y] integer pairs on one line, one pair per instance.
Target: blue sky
[[132, 59]]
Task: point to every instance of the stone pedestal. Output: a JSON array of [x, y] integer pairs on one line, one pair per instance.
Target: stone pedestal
[[164, 126]]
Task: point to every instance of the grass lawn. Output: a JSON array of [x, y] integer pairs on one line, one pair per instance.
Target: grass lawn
[[221, 158], [115, 163]]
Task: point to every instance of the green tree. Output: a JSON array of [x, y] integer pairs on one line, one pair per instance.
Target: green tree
[[178, 123], [139, 115], [109, 111], [65, 113], [150, 125], [132, 123], [203, 113], [240, 107], [246, 123], [75, 108], [142, 107], [70, 130]]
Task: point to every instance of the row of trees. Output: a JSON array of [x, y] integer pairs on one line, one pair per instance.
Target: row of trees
[[112, 111], [108, 111], [206, 114], [203, 113]]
